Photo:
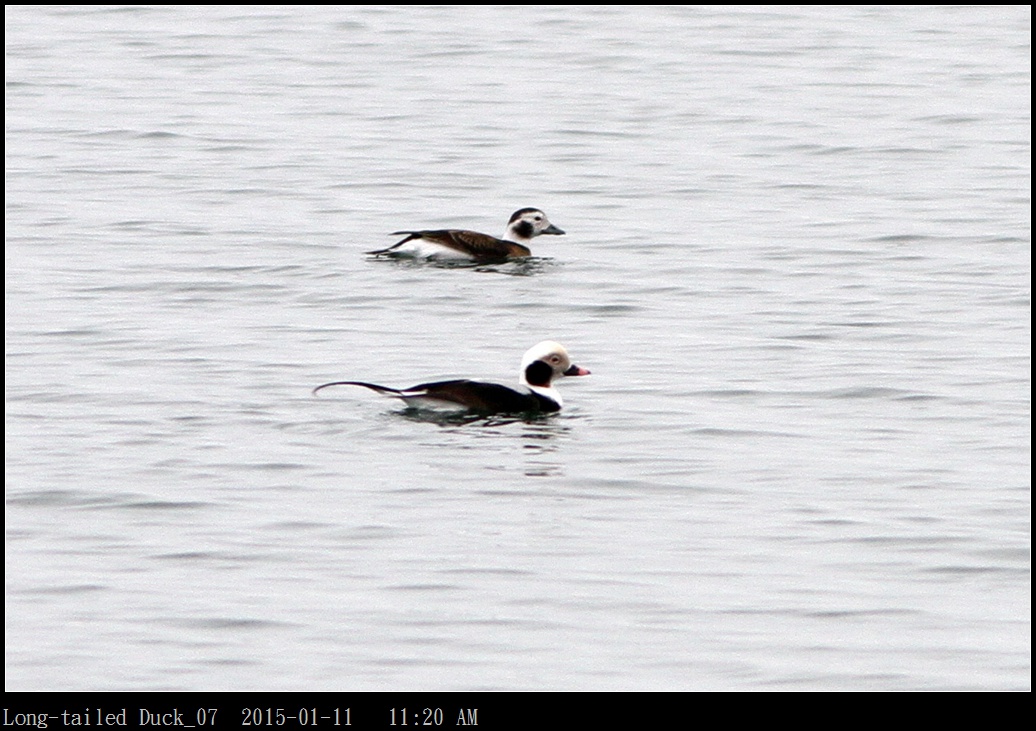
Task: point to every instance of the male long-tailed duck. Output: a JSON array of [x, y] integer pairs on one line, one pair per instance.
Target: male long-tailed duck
[[457, 244], [541, 365]]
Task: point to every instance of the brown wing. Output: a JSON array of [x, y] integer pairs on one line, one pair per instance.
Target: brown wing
[[483, 246], [480, 247]]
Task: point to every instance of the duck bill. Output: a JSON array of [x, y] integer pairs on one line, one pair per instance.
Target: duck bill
[[552, 229], [577, 371]]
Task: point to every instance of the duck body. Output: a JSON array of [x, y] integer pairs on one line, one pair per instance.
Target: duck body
[[463, 245], [467, 395]]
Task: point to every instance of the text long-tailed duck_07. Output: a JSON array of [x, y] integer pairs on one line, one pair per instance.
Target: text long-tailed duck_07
[[541, 365], [461, 245]]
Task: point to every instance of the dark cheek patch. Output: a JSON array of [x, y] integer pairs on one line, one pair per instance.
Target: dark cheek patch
[[524, 229], [538, 374]]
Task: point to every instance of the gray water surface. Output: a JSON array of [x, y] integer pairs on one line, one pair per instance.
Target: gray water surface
[[798, 264]]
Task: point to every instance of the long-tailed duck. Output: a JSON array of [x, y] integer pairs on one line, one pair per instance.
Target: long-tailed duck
[[541, 365], [457, 244]]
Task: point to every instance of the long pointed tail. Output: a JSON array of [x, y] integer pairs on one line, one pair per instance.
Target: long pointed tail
[[410, 235], [372, 386]]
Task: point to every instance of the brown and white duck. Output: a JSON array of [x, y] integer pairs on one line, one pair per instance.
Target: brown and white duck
[[460, 245]]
